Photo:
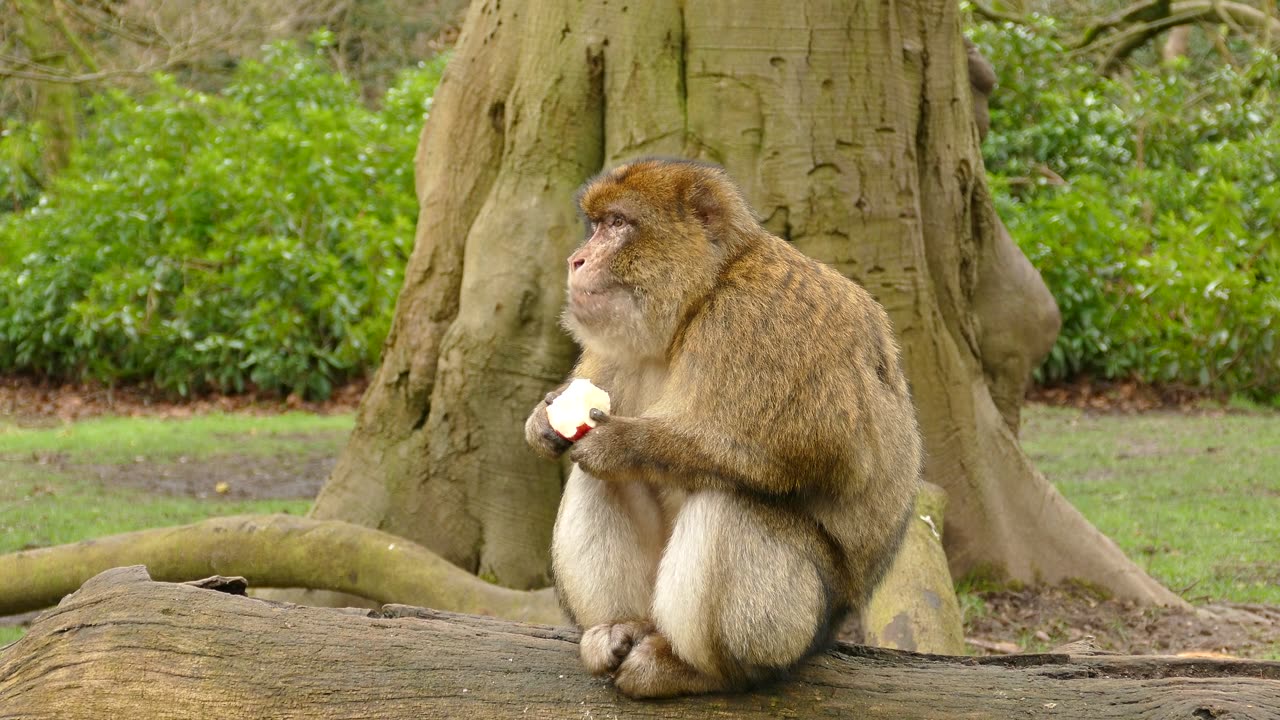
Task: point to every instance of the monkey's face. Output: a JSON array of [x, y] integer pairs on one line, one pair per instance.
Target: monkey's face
[[610, 307], [598, 293], [646, 258]]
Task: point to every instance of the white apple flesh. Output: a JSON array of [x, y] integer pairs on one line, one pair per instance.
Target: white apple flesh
[[570, 413]]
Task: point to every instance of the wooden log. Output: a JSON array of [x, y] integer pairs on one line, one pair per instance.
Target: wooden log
[[126, 646]]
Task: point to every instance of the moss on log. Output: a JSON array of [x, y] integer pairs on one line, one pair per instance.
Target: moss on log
[[915, 607]]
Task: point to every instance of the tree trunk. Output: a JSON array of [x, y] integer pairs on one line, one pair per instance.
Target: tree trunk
[[1177, 45], [124, 646], [55, 103], [849, 126]]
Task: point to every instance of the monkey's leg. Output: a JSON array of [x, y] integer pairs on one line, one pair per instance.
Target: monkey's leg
[[744, 591], [604, 552]]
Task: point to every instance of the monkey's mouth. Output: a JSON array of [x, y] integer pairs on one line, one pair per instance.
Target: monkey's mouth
[[596, 304]]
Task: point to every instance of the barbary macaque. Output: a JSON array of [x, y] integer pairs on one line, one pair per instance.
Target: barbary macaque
[[982, 80], [753, 478]]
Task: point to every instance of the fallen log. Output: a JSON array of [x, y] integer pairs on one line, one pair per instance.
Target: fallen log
[[126, 646]]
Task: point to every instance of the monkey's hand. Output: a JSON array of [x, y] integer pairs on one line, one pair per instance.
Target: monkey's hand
[[608, 451], [540, 435]]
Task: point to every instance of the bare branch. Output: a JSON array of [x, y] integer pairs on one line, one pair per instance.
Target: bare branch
[[108, 20], [46, 76], [994, 15], [175, 44], [1125, 41], [82, 52]]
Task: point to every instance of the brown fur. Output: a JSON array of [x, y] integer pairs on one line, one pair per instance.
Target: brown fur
[[755, 476], [982, 81]]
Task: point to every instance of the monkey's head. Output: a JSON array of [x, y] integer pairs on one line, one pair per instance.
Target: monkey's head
[[659, 234]]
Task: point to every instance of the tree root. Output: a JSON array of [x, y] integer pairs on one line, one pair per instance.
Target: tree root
[[272, 551]]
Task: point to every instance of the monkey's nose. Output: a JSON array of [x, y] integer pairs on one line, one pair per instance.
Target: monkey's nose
[[576, 262]]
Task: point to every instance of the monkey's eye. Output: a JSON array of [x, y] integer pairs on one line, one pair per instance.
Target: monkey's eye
[[617, 221]]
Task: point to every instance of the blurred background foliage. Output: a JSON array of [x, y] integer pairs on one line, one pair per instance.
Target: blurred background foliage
[[227, 214], [255, 236], [219, 196], [1147, 197]]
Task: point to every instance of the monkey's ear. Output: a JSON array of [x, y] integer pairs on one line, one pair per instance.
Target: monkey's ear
[[703, 200]]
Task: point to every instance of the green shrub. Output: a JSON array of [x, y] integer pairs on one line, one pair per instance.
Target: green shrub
[[253, 237], [1163, 250]]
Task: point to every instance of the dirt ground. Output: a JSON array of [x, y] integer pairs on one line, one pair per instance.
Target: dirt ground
[[1027, 621], [34, 402], [1001, 621], [243, 477]]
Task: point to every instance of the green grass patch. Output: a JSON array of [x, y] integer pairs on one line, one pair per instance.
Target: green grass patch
[[51, 491], [49, 497], [10, 634], [40, 507], [119, 439], [1194, 499]]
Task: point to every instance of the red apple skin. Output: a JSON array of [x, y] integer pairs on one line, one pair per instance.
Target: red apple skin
[[577, 435]]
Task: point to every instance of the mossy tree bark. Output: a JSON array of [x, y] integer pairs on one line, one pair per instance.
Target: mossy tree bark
[[55, 103], [849, 126]]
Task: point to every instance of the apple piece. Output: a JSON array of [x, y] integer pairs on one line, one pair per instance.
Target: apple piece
[[570, 413]]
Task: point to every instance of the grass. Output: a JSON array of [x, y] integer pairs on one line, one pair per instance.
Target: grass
[[47, 498], [121, 439], [1192, 498], [40, 508]]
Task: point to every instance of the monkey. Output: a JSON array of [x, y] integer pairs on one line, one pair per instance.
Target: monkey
[[982, 80], [755, 474]]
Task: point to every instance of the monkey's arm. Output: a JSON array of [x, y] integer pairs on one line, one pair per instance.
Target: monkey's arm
[[664, 450]]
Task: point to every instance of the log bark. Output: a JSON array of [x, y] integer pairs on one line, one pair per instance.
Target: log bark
[[125, 646]]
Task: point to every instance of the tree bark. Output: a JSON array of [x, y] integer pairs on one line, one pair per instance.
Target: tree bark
[[1016, 317], [850, 128], [55, 103], [475, 340], [124, 646]]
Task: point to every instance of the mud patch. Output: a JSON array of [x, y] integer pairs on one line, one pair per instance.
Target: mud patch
[[1027, 621], [242, 477]]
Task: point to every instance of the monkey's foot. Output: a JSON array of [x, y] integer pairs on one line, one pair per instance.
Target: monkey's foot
[[652, 670], [603, 647]]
